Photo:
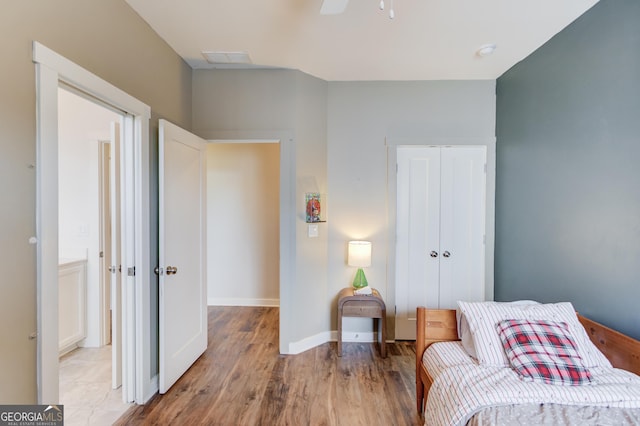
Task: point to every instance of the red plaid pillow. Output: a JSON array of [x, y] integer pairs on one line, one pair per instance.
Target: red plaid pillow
[[543, 351]]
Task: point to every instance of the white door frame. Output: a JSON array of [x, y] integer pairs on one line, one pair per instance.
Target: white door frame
[[53, 69], [392, 147], [288, 210]]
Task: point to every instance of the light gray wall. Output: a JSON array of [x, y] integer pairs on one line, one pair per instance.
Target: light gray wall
[[109, 39], [309, 305], [354, 119], [261, 104], [363, 118], [568, 179]]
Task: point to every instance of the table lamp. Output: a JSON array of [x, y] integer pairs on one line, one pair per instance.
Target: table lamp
[[360, 256]]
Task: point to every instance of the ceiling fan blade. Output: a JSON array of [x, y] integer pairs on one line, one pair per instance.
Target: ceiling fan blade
[[333, 7]]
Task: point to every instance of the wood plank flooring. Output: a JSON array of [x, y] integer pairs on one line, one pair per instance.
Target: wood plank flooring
[[242, 380]]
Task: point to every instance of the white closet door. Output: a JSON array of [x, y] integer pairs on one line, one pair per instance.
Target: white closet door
[[462, 225], [418, 235], [440, 230]]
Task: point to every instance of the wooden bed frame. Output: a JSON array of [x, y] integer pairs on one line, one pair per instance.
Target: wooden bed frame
[[440, 325]]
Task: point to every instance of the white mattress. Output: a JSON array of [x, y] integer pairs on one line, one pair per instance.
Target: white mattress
[[461, 387]]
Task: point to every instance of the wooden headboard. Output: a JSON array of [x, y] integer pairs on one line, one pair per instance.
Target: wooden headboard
[[621, 350], [434, 325]]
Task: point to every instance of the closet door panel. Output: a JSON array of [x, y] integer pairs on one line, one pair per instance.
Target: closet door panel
[[462, 225], [418, 234]]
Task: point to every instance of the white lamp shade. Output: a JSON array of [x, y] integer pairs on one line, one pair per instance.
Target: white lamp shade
[[359, 254]]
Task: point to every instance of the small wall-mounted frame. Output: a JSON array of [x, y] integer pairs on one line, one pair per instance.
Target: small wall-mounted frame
[[314, 208]]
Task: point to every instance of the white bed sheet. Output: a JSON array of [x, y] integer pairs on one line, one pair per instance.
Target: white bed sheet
[[461, 387]]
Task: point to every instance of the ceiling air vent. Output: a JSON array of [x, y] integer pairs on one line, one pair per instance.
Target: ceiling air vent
[[227, 57]]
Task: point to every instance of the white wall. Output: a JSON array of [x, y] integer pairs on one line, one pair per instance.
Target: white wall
[[340, 130], [83, 32], [81, 125], [243, 224], [289, 106], [364, 120], [310, 313]]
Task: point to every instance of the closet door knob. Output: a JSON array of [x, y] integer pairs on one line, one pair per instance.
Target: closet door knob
[[446, 254], [433, 253]]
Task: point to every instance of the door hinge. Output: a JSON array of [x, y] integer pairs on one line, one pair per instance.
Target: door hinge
[[131, 271], [395, 310], [101, 254]]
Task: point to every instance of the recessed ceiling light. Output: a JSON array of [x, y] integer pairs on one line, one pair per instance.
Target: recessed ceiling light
[[227, 57], [486, 50]]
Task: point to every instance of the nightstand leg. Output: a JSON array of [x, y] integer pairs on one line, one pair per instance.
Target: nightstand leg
[[339, 332], [383, 343]]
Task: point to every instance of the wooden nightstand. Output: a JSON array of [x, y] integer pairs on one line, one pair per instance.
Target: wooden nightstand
[[372, 306]]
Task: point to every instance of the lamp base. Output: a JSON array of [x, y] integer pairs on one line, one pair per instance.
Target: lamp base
[[360, 280]]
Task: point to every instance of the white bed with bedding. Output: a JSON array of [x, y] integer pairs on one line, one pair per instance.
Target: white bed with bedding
[[530, 364]]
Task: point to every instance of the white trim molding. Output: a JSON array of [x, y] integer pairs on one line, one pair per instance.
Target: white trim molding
[[219, 301], [52, 70], [309, 343]]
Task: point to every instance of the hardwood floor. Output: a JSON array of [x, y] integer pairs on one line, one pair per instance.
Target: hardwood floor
[[242, 380]]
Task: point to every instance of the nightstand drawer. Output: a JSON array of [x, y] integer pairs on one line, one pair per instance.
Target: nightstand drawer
[[360, 308]]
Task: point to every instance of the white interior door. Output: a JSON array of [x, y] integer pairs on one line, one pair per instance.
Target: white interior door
[[462, 225], [418, 235], [114, 258], [441, 193], [182, 251]]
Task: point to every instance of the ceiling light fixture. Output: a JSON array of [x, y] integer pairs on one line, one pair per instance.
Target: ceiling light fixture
[[227, 57], [336, 7], [391, 12], [486, 50]]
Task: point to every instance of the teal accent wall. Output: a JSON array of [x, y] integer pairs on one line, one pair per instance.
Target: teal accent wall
[[568, 170]]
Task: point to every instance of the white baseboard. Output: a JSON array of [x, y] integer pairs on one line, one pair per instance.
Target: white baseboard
[[217, 301], [331, 336], [355, 336], [309, 343]]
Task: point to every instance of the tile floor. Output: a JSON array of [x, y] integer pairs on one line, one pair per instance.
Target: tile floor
[[85, 388]]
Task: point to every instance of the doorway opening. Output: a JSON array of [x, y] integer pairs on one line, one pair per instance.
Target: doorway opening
[[90, 349], [53, 71], [286, 253], [243, 211]]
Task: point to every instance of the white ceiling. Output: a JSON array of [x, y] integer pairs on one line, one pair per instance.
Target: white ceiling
[[427, 40]]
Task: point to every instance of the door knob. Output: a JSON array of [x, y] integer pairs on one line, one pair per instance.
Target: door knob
[[433, 253], [446, 254], [157, 270], [171, 270]]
